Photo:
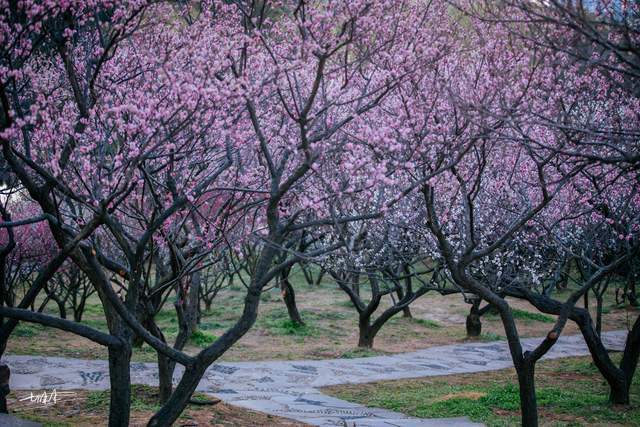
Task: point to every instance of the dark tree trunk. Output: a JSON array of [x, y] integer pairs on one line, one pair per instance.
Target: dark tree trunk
[[289, 297], [319, 277], [619, 392], [367, 332], [406, 310], [165, 378], [166, 366], [120, 383], [524, 365], [586, 301], [598, 314], [618, 378], [528, 404], [308, 276], [179, 399], [618, 387], [78, 310], [5, 374], [629, 362], [474, 324], [631, 289], [191, 312], [62, 309]]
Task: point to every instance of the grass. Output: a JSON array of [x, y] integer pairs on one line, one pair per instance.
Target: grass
[[202, 338], [27, 330], [530, 316], [570, 392], [527, 317], [143, 398], [490, 336], [277, 322], [427, 323], [99, 324]]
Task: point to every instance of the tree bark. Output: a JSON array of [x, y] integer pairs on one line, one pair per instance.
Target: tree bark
[[289, 297], [366, 331], [528, 403], [474, 324], [120, 383], [179, 399], [171, 410], [618, 378], [629, 362], [165, 378], [406, 310]]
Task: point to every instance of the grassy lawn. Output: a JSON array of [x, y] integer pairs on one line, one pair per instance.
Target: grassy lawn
[[90, 409], [570, 392]]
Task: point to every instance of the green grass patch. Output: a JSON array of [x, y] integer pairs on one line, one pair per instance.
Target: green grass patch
[[570, 392], [528, 316], [213, 325], [166, 316], [99, 324], [328, 315], [490, 336], [44, 420], [27, 330], [277, 322], [345, 303], [93, 310], [202, 338], [222, 312], [143, 398], [427, 323]]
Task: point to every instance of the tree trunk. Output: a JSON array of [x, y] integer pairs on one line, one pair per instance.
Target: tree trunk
[[586, 301], [289, 297], [179, 398], [598, 314], [528, 404], [120, 382], [629, 362], [165, 378], [524, 365], [406, 311], [319, 277], [193, 302], [619, 392], [631, 290], [78, 311], [5, 374], [62, 309], [474, 324], [366, 333]]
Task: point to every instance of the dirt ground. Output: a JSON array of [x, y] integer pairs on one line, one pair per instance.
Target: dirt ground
[[331, 329], [81, 408]]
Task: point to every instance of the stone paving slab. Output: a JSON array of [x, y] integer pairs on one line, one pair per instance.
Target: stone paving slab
[[290, 388], [7, 420]]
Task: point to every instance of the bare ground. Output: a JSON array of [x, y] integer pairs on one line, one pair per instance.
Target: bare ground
[[331, 329]]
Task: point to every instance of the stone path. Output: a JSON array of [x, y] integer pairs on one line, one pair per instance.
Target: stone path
[[291, 388]]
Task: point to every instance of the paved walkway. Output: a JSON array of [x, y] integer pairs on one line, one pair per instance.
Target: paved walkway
[[290, 388]]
